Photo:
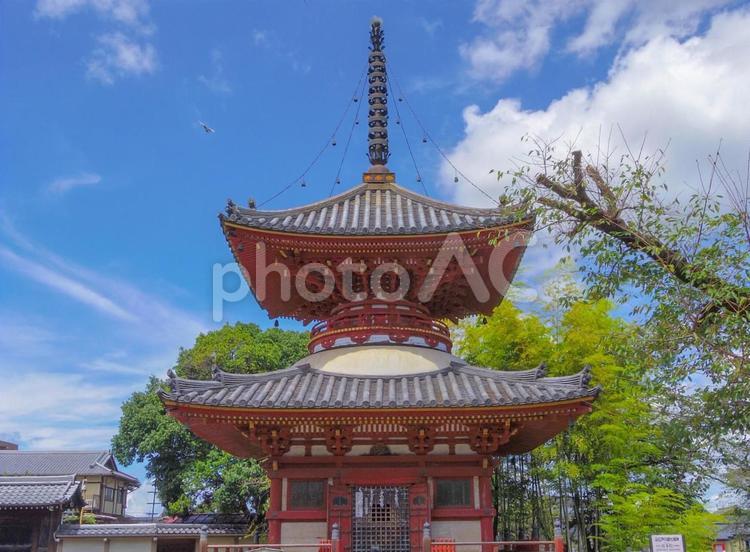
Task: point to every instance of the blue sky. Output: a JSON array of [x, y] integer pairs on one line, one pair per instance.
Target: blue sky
[[109, 189]]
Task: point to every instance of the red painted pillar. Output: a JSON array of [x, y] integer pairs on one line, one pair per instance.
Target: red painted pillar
[[487, 511], [274, 507]]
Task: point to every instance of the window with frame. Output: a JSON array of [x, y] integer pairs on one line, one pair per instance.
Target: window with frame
[[15, 535], [453, 493], [306, 494], [109, 494]]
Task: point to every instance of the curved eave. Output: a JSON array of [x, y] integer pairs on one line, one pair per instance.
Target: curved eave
[[521, 224], [456, 386], [240, 238], [382, 210], [438, 411], [230, 428]]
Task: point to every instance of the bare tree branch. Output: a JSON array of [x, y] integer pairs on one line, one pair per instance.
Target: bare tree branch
[[575, 202]]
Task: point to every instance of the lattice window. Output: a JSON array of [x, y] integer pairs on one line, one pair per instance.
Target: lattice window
[[451, 493], [380, 519], [306, 495], [15, 538]]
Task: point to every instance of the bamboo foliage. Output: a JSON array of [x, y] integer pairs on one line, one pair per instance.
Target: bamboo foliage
[[608, 480]]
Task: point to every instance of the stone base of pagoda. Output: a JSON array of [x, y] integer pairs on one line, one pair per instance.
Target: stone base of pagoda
[[388, 498]]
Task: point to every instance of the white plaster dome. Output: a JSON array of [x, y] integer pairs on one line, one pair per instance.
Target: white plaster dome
[[379, 360]]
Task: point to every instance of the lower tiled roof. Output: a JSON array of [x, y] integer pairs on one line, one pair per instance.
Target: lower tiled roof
[[149, 529], [39, 492], [61, 462], [732, 530], [456, 385]]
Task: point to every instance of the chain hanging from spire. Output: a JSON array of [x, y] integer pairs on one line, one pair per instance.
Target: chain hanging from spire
[[377, 97]]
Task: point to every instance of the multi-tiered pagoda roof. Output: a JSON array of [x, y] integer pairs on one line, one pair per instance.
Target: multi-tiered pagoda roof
[[370, 354], [380, 405]]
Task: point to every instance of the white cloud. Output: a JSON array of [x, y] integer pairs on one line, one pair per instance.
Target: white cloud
[[128, 12], [271, 42], [61, 387], [20, 336], [119, 56], [118, 53], [65, 285], [260, 37], [123, 363], [642, 19], [518, 33], [430, 26], [67, 183], [689, 94], [216, 82], [139, 501], [46, 410], [33, 435], [145, 314]]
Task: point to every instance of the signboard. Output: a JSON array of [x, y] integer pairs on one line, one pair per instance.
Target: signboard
[[667, 543]]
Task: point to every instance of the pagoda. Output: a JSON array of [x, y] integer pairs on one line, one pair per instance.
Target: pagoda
[[380, 429]]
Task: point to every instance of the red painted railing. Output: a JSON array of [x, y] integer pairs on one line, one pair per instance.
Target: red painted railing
[[445, 544], [358, 320], [322, 546]]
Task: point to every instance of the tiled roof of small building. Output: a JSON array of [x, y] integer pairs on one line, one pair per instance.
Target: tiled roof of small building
[[456, 385], [81, 463], [732, 530], [373, 210], [150, 529], [22, 492]]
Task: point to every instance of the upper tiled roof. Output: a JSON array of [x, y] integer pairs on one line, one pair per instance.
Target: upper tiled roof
[[39, 492], [372, 210], [81, 463], [456, 385], [235, 525]]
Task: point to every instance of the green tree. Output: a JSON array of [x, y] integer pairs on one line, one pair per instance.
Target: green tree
[[616, 475], [681, 263], [189, 474]]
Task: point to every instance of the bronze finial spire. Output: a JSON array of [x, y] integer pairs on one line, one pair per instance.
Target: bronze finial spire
[[377, 98]]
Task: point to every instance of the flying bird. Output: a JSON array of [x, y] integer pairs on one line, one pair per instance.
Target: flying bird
[[206, 128]]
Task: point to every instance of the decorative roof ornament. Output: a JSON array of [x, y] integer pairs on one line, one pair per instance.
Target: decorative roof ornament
[[377, 97]]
